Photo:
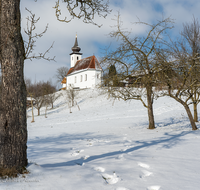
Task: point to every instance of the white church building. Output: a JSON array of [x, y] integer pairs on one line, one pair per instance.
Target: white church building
[[84, 73]]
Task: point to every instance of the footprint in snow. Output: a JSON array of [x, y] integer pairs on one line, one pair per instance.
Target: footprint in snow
[[90, 144], [99, 169], [146, 174], [123, 150], [146, 166], [85, 157], [110, 179], [156, 187], [120, 157], [76, 153]]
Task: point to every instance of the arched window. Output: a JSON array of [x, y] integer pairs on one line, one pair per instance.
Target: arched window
[[75, 80], [81, 78]]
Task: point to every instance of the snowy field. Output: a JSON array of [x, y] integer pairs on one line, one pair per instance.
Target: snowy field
[[107, 146]]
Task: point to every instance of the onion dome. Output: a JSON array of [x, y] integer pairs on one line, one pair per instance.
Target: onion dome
[[76, 48]]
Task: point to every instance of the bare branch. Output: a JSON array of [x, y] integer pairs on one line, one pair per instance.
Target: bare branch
[[29, 45], [83, 9]]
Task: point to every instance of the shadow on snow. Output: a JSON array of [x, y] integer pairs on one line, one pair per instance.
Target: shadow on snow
[[168, 141]]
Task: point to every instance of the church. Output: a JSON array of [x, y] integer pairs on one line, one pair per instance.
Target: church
[[84, 73]]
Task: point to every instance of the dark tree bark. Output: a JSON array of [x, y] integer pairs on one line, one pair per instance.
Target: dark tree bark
[[187, 109], [195, 112], [192, 121], [150, 107], [13, 128]]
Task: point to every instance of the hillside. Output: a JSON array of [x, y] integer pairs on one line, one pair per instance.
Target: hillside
[[107, 146]]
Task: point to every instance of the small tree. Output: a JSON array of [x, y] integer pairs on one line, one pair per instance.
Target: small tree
[[52, 98], [112, 76], [49, 90], [71, 95], [38, 95], [43, 94], [61, 73]]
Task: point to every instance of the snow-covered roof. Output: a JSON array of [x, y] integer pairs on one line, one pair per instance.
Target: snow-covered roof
[[86, 63]]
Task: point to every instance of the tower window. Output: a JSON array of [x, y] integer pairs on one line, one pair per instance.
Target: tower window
[[77, 57]]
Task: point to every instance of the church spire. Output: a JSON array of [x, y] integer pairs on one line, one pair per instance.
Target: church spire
[[76, 48], [75, 55]]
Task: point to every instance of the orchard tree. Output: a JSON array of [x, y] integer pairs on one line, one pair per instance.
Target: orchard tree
[[191, 46], [13, 126], [179, 76], [136, 61]]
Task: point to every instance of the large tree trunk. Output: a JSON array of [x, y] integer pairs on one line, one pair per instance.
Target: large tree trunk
[[150, 107], [13, 129]]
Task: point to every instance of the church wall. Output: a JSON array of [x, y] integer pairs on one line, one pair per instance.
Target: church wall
[[85, 79]]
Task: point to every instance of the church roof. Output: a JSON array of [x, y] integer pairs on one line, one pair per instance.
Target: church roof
[[86, 63]]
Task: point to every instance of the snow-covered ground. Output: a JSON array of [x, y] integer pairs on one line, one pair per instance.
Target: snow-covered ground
[[107, 146]]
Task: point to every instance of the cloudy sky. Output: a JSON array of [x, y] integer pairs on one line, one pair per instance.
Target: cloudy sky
[[91, 38]]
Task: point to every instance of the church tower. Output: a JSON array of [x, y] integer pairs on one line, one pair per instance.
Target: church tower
[[75, 55]]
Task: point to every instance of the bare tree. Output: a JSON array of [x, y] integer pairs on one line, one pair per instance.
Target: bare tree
[[49, 90], [191, 46], [38, 94], [177, 77], [43, 94], [85, 10], [136, 62], [61, 73], [52, 97], [71, 95]]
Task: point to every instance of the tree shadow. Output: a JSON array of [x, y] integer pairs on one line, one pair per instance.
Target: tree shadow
[[167, 141], [55, 145]]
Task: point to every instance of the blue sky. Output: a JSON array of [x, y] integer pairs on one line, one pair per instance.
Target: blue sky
[[93, 39]]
